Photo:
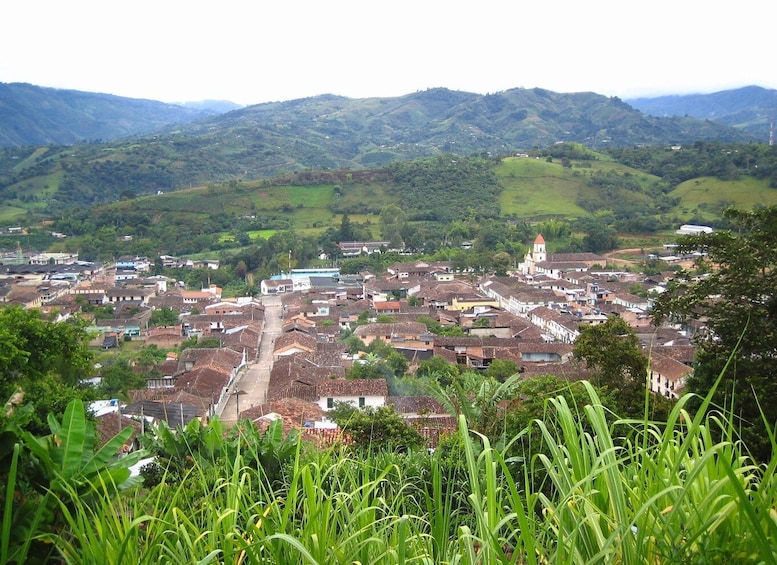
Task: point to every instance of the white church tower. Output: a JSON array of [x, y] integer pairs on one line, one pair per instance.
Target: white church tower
[[539, 254], [536, 255]]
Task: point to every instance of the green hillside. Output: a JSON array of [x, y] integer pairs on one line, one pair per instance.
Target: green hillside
[[328, 133], [534, 188], [530, 189], [707, 197], [34, 115]]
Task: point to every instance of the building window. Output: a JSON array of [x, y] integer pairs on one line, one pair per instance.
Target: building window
[[361, 402], [330, 403]]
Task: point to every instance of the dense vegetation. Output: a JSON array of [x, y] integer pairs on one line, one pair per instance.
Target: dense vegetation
[[581, 201], [445, 189], [732, 288], [587, 487], [329, 133], [33, 115]]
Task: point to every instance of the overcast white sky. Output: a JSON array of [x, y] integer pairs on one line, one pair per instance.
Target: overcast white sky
[[253, 51]]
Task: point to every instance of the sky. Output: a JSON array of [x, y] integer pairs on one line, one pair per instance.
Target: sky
[[254, 51]]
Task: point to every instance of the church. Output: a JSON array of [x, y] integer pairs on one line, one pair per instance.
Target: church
[[556, 265]]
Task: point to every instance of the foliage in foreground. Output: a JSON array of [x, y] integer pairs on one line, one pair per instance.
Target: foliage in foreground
[[631, 491], [733, 290]]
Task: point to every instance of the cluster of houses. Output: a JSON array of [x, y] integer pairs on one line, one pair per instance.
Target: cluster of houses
[[531, 318]]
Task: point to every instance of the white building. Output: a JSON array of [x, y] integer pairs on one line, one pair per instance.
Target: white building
[[690, 229], [358, 392]]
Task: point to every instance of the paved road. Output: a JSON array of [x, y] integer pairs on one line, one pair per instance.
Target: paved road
[[252, 382]]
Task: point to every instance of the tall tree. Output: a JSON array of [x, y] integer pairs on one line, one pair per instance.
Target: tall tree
[[346, 232], [613, 351], [44, 359], [733, 289]]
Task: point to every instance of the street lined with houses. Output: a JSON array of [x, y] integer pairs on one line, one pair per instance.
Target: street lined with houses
[[250, 388]]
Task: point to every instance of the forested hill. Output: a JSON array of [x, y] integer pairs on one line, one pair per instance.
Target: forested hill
[[33, 115], [331, 132], [750, 109]]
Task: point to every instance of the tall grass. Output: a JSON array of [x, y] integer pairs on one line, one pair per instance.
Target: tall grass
[[614, 491]]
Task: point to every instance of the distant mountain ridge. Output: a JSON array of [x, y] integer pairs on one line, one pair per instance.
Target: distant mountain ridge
[[35, 115], [276, 139], [378, 127], [213, 106], [330, 131], [749, 109]]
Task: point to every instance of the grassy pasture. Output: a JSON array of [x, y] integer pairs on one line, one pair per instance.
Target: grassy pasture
[[11, 213], [708, 196], [536, 188]]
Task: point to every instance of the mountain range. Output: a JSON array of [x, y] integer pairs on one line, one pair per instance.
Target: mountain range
[[516, 118], [34, 115], [52, 156], [750, 109]]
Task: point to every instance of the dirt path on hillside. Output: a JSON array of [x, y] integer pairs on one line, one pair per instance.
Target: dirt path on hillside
[[613, 259]]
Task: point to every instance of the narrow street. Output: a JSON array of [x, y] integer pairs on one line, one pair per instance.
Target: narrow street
[[251, 386]]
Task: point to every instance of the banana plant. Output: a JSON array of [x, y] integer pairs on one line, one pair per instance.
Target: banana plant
[[47, 472]]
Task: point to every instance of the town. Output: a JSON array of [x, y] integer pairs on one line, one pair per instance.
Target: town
[[281, 355]]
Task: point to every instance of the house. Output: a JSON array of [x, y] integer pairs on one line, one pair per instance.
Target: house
[[358, 392], [388, 307], [378, 290], [405, 335], [211, 294], [469, 301], [176, 408], [451, 295], [243, 339], [139, 296], [691, 229], [128, 263], [293, 342], [354, 248], [209, 373], [251, 308], [478, 352], [667, 375], [631, 301], [518, 298], [556, 325], [296, 375], [295, 414], [110, 340], [278, 286], [165, 336], [127, 327], [212, 264], [419, 269]]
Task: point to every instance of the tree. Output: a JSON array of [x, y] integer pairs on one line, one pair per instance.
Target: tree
[[45, 359], [397, 362], [613, 351], [118, 378], [482, 401], [164, 317], [50, 472], [736, 295], [372, 368], [501, 369], [392, 222], [438, 369], [346, 232], [379, 428]]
